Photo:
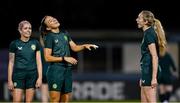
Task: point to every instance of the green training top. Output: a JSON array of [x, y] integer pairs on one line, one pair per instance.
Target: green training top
[[166, 62], [25, 53], [59, 43], [149, 37]]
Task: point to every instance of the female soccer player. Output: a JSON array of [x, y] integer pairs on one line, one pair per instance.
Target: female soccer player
[[153, 43], [57, 52], [24, 68]]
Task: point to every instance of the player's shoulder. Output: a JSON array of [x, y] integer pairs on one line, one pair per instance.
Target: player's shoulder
[[15, 41], [33, 40]]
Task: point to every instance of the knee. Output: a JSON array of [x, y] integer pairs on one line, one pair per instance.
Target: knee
[[54, 98]]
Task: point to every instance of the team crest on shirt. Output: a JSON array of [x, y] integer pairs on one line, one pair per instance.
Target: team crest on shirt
[[65, 37], [33, 47], [15, 84], [56, 41], [54, 86]]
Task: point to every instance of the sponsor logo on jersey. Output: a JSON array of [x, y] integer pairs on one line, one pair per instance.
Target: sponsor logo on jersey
[[56, 41], [143, 81], [19, 48]]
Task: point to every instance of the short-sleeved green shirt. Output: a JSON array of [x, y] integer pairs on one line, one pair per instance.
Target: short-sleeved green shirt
[[166, 62], [25, 53], [149, 37], [146, 59], [59, 43]]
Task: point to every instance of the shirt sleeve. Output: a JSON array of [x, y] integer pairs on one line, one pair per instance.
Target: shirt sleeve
[[69, 38], [37, 45], [48, 41], [150, 38], [12, 47]]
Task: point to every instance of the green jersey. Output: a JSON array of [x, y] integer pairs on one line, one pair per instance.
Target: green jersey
[[166, 62], [149, 37], [25, 53], [59, 43], [146, 59]]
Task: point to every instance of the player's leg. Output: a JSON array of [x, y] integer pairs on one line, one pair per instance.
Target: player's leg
[[29, 95], [65, 98], [55, 79], [19, 85], [54, 96], [169, 89], [161, 92], [17, 95], [44, 93], [67, 86], [31, 79], [143, 96], [150, 94]]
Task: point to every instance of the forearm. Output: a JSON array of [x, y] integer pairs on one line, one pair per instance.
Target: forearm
[[78, 48], [53, 59], [155, 67], [39, 64], [39, 68], [10, 71], [11, 65]]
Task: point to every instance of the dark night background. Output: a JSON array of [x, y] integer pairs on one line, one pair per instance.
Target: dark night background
[[111, 24], [84, 14]]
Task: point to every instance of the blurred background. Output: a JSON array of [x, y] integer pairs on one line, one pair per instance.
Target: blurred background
[[112, 71]]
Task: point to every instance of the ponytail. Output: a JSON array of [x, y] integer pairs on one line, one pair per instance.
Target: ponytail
[[161, 37], [43, 31]]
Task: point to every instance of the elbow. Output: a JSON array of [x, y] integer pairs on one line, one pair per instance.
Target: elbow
[[74, 49], [155, 58], [47, 59]]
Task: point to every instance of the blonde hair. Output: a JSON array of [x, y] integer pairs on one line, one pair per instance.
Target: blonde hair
[[161, 37], [21, 24], [152, 21]]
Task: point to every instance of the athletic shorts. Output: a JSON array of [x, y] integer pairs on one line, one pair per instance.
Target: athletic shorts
[[59, 78], [25, 79], [146, 75], [166, 79], [44, 79]]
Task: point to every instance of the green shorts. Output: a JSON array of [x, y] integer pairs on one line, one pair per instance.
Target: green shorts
[[59, 78], [24, 79], [166, 79], [44, 79], [146, 75]]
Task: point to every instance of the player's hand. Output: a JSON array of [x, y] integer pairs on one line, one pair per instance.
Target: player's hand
[[10, 85], [38, 83], [153, 83], [71, 60], [89, 46]]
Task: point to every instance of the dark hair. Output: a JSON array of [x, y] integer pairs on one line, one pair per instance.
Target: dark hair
[[43, 31], [42, 28]]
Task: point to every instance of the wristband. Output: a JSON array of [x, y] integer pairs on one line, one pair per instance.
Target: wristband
[[63, 58]]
